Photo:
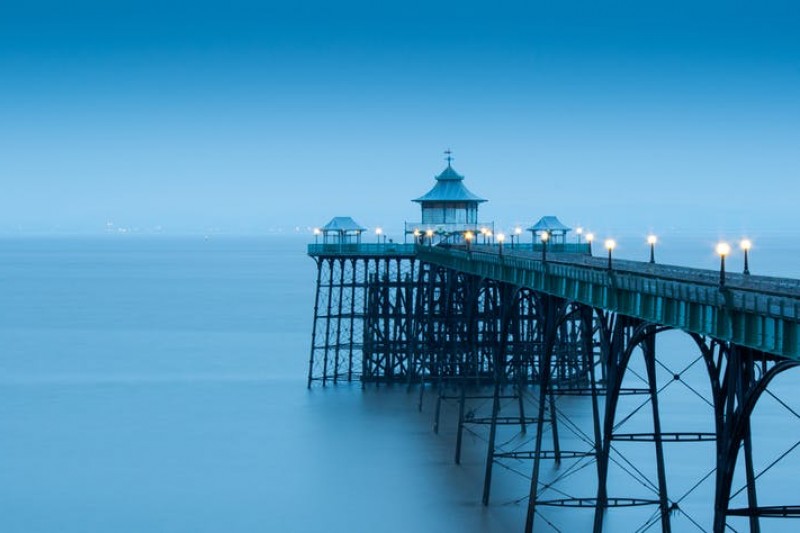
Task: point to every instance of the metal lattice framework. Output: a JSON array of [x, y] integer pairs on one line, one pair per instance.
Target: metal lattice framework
[[480, 326]]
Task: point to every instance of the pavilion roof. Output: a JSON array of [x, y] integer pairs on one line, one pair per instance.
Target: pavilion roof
[[449, 188], [549, 223], [343, 225]]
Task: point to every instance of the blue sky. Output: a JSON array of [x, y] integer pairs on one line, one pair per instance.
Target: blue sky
[[248, 116]]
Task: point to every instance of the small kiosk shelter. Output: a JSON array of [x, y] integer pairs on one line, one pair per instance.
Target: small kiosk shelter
[[342, 230], [555, 228]]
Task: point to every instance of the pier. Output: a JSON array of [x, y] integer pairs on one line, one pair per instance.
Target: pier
[[476, 316]]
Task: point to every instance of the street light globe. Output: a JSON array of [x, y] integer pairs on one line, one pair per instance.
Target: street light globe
[[429, 233], [488, 233], [501, 237], [652, 239], [378, 231], [518, 230], [317, 231], [468, 235], [416, 233], [483, 231], [579, 231], [723, 249], [745, 244], [589, 237], [610, 244], [544, 236]]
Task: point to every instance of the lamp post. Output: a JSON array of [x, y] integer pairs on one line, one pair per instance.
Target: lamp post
[[745, 245], [468, 236], [316, 235], [610, 245], [589, 240], [723, 249], [652, 240], [378, 233], [579, 233], [487, 238], [416, 236], [517, 232], [429, 234], [544, 236], [500, 239]]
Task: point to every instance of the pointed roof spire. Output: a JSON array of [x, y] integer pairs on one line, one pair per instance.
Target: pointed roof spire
[[449, 173], [449, 187]]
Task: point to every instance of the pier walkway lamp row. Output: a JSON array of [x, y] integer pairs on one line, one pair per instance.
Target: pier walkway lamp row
[[652, 240], [723, 249], [487, 235], [745, 245], [544, 237], [610, 245]]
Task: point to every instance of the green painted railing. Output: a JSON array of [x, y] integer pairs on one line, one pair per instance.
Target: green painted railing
[[552, 248], [362, 250], [753, 311]]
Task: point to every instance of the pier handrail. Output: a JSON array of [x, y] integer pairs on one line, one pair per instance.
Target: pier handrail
[[362, 249], [689, 299], [774, 286]]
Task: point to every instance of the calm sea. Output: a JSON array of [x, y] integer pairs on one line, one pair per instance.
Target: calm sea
[[157, 384]]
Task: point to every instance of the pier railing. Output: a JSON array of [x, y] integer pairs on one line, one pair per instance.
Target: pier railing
[[754, 311], [448, 228], [362, 249], [552, 247]]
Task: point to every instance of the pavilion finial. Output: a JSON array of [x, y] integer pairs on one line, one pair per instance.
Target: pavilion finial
[[448, 156]]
